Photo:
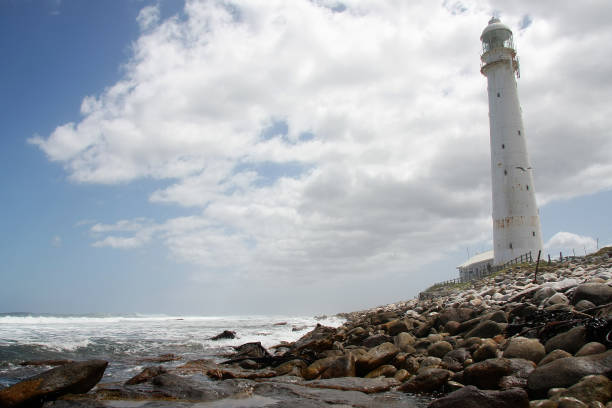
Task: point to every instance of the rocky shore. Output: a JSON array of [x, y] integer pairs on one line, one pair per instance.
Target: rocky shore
[[508, 340]]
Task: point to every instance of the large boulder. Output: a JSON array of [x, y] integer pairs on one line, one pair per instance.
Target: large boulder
[[485, 329], [405, 341], [487, 350], [590, 388], [439, 349], [376, 357], [456, 314], [472, 397], [487, 374], [376, 340], [427, 380], [343, 366], [319, 339], [316, 368], [395, 327], [71, 378], [566, 372], [570, 341], [598, 293], [522, 347], [250, 350]]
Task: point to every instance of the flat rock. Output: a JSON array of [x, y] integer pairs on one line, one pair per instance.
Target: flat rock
[[365, 385], [146, 375], [472, 397], [71, 378], [566, 372], [294, 395], [182, 388]]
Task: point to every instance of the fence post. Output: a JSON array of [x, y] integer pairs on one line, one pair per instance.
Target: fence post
[[535, 277]]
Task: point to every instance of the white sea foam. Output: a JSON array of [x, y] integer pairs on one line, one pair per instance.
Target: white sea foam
[[134, 334]]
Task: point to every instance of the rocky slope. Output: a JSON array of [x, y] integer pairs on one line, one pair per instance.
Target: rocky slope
[[508, 340]]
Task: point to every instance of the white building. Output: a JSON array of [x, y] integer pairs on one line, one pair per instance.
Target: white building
[[476, 266], [516, 223]]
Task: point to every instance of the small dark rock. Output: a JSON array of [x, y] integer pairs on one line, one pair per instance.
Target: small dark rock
[[226, 334]]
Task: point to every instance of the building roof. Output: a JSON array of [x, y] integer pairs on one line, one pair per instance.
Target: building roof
[[484, 256]]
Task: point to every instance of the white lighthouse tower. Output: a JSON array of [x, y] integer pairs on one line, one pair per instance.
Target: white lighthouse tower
[[516, 223]]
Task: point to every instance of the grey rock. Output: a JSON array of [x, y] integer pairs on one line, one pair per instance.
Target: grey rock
[[566, 372], [522, 347], [597, 293]]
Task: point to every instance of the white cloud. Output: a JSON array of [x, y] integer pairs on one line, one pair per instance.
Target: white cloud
[[396, 171], [570, 244], [148, 17]]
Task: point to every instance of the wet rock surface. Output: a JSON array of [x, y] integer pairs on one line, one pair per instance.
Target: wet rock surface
[[70, 378]]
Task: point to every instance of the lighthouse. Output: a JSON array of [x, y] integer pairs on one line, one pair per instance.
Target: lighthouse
[[516, 223]]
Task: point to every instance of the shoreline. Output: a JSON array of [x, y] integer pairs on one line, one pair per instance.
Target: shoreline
[[488, 341]]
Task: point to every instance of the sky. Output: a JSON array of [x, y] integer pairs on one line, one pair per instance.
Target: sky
[[303, 157]]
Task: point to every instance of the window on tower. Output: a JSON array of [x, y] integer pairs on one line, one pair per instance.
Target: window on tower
[[519, 132], [527, 187], [505, 172], [503, 146], [498, 94], [533, 233], [511, 245]]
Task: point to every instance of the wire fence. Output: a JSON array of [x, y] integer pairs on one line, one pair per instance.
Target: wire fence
[[479, 274]]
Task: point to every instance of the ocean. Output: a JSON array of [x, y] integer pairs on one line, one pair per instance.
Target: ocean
[[132, 342]]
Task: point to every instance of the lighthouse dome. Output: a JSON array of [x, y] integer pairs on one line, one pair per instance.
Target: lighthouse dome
[[495, 30]]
